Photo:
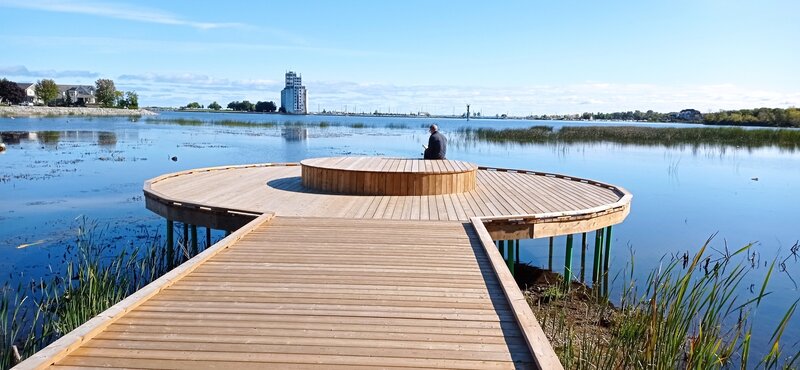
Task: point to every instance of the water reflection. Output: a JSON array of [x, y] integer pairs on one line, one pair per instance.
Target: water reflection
[[51, 139], [294, 133]]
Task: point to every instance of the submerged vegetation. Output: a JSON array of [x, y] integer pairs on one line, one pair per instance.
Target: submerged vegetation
[[687, 317], [666, 136]]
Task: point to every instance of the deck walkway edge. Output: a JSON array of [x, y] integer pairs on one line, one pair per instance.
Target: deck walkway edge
[[74, 339], [538, 344]]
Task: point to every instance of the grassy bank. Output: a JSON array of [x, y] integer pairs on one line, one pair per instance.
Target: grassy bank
[[666, 136], [685, 317]]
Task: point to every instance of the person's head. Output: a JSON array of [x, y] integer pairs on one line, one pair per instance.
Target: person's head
[[434, 128]]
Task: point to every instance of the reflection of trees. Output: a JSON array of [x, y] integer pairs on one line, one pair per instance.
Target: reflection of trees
[[106, 138], [48, 137], [13, 137]]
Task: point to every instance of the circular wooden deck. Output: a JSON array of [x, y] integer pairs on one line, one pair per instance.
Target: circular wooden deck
[[387, 176], [514, 204]]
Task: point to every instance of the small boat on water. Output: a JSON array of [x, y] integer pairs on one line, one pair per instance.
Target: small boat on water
[[2, 147]]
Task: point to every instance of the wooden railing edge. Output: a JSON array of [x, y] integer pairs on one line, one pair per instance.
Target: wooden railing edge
[[622, 192], [74, 339], [538, 344], [163, 198]]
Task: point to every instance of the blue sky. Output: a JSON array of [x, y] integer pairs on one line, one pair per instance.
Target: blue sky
[[516, 57]]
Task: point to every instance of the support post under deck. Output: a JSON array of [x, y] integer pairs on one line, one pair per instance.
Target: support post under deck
[[583, 257], [568, 263], [194, 240], [598, 254], [606, 256], [170, 244]]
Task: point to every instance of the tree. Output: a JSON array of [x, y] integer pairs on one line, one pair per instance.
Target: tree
[[10, 92], [105, 92], [241, 106], [266, 106], [46, 90], [193, 105], [132, 99], [128, 100], [119, 99], [214, 106]]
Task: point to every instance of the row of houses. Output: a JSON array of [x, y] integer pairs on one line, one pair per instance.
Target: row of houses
[[74, 94]]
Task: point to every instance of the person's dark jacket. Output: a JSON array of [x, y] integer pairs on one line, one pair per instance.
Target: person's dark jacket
[[437, 146]]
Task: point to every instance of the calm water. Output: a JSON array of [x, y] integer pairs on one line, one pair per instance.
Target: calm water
[[57, 169]]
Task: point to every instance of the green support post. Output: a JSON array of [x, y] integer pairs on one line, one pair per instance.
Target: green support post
[[516, 250], [185, 241], [510, 259], [550, 258], [583, 258], [606, 256], [598, 243], [501, 245], [170, 244], [568, 264], [195, 250], [208, 237]]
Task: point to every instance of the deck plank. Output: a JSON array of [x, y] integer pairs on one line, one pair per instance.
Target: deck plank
[[380, 293]]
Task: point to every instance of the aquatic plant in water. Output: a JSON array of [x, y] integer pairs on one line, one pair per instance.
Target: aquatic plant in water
[[666, 136], [93, 279], [691, 318]]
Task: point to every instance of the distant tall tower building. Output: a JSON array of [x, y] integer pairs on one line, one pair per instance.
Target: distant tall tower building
[[294, 99]]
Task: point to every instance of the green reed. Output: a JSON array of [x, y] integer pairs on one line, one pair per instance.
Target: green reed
[[36, 314], [666, 136], [199, 122], [692, 318]]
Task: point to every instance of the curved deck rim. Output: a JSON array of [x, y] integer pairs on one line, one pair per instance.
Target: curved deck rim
[[622, 204]]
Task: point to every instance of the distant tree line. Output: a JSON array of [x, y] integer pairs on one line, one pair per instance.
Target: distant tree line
[[239, 106], [770, 117], [247, 106], [775, 117], [686, 115]]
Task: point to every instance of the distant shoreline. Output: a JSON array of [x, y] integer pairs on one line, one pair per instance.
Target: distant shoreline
[[36, 111]]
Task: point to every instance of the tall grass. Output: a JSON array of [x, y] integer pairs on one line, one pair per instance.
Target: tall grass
[[198, 122], [692, 318], [666, 136], [93, 279]]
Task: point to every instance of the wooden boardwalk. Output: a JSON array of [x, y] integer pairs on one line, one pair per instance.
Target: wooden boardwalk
[[331, 281]]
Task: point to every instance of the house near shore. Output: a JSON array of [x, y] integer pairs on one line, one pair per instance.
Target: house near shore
[[73, 94], [77, 94], [30, 93]]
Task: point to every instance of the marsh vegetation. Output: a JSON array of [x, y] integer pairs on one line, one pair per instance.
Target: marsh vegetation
[[662, 136]]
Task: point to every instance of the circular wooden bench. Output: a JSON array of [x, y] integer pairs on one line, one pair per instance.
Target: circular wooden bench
[[388, 176]]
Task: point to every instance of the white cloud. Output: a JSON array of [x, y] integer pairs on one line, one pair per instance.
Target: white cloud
[[22, 71], [117, 11]]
